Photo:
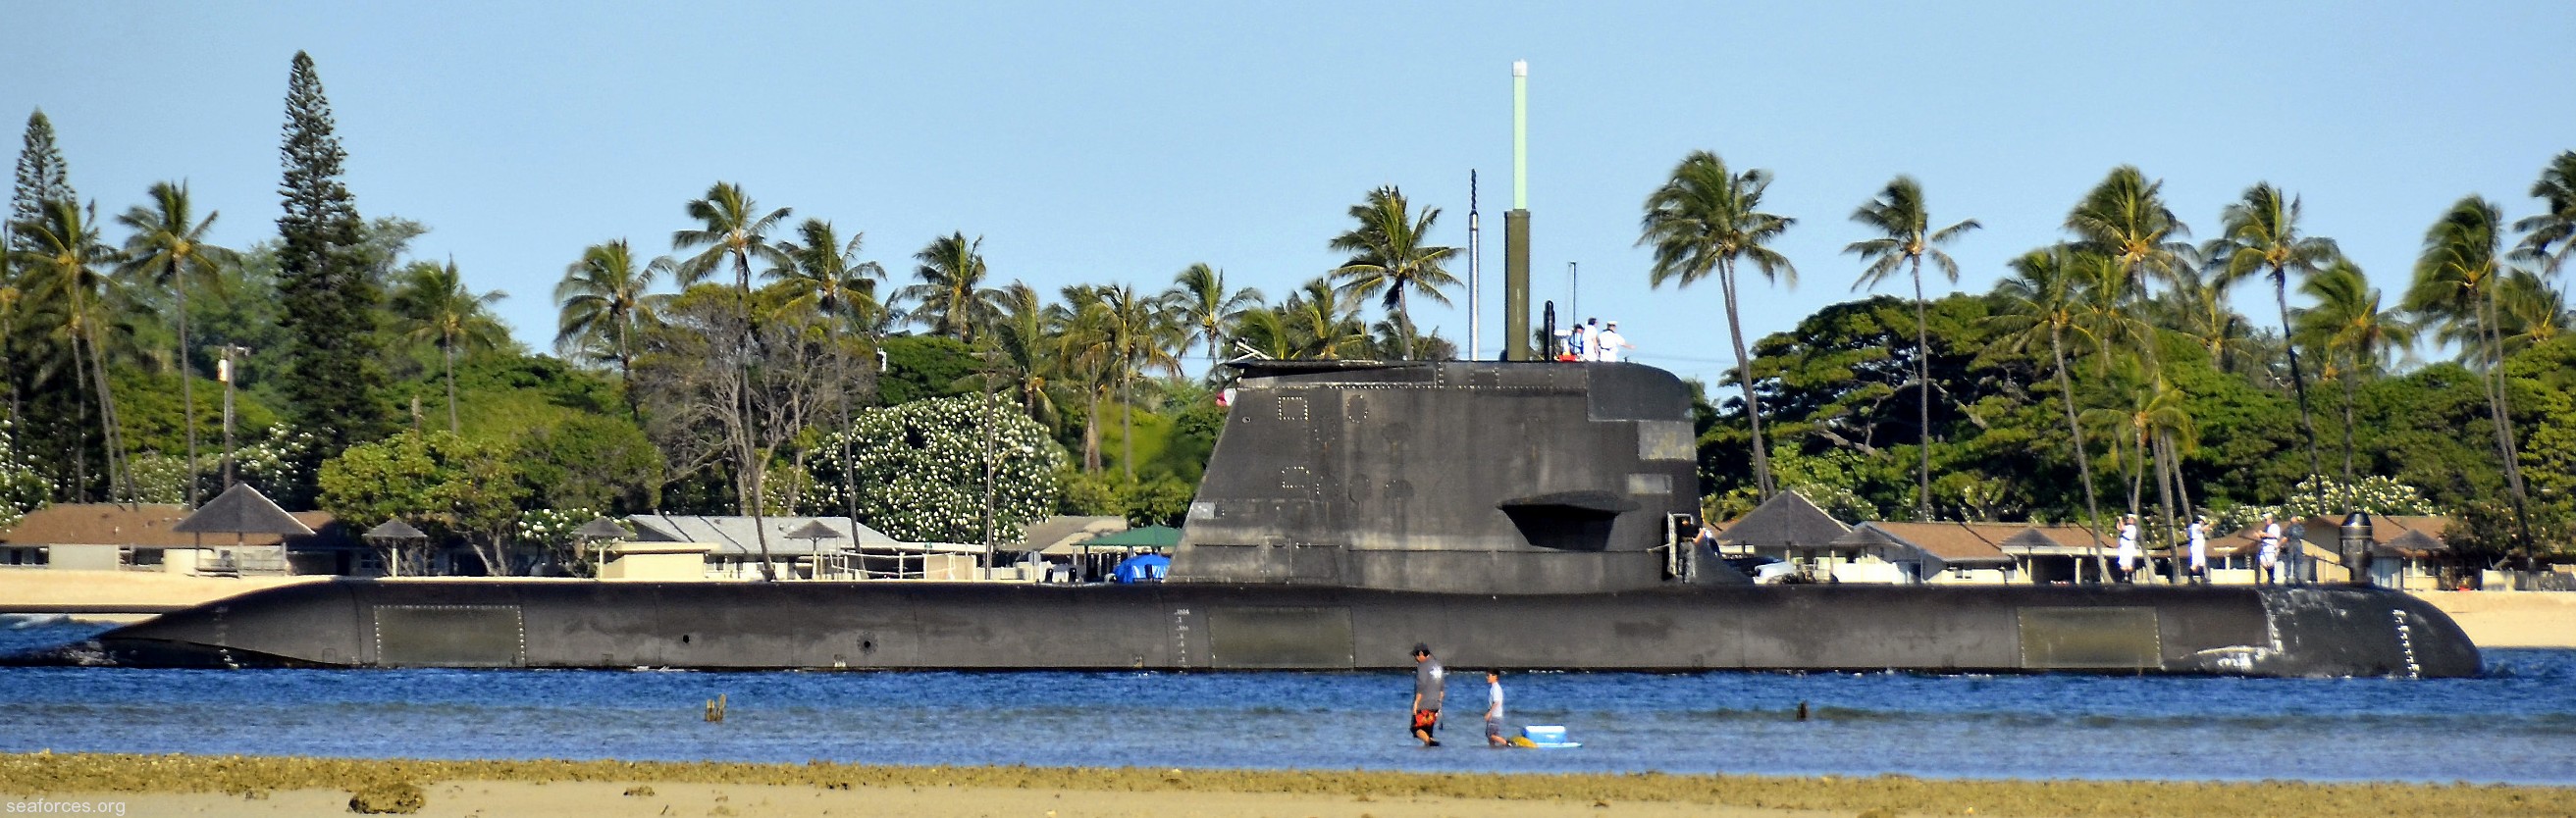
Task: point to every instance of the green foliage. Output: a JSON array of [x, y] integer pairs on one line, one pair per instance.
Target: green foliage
[[591, 461], [22, 488], [1158, 500], [331, 302], [443, 484], [920, 367], [921, 469]]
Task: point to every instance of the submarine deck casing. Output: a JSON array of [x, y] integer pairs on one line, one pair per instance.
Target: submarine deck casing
[[1518, 515], [914, 625]]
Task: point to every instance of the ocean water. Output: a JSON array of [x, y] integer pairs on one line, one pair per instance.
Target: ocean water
[[2517, 724]]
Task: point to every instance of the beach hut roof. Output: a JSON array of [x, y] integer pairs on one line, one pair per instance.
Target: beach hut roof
[[242, 510], [1947, 543], [1152, 536], [1787, 520]]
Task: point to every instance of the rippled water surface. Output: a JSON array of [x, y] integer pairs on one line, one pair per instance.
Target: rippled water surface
[[2516, 725]]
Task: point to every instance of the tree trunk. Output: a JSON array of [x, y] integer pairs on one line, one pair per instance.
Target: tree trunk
[[751, 461], [2298, 381], [187, 381], [2349, 375], [2500, 409], [849, 467], [1404, 321], [1091, 431], [1744, 378], [1127, 420], [120, 471], [1923, 397], [2083, 458], [449, 351], [80, 422], [2137, 468]]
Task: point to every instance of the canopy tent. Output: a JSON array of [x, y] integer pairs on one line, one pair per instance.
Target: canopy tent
[[1142, 568], [1152, 536]]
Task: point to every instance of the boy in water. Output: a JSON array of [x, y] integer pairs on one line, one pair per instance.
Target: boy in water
[[1494, 710], [1430, 684]]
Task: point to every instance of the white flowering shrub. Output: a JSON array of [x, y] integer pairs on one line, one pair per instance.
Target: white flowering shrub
[[920, 469], [2327, 497], [22, 488], [160, 478], [553, 527]]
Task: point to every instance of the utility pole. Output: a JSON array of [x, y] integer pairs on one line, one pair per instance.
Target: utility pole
[[228, 372], [992, 444], [1573, 293]]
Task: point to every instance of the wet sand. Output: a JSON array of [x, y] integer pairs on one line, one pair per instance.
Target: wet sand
[[243, 785]]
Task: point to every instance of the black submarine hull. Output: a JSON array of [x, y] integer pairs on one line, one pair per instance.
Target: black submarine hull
[[2315, 631]]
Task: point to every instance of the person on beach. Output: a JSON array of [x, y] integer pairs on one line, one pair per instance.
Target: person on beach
[[1430, 684], [1494, 710], [2128, 548], [2294, 553], [2200, 550], [2267, 553]]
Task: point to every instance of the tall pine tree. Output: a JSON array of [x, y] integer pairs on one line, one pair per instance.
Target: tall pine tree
[[47, 402], [336, 381], [42, 177]]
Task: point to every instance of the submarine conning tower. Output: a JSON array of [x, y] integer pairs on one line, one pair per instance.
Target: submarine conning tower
[[1449, 476]]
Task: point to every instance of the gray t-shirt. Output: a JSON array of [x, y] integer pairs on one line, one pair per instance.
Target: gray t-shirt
[[1429, 682]]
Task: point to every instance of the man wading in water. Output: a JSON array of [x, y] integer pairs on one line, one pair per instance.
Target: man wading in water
[[1429, 685]]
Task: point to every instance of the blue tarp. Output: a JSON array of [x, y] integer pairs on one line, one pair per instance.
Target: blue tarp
[[1142, 568]]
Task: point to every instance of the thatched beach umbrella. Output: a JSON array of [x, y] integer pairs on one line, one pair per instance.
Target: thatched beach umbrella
[[814, 532], [599, 529], [392, 536]]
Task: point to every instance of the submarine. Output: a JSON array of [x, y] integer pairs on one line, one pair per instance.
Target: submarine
[[1519, 515]]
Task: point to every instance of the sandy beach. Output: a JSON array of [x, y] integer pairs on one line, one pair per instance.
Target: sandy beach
[[243, 785]]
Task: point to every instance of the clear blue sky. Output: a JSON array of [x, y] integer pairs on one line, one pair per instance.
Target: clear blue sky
[[1123, 142]]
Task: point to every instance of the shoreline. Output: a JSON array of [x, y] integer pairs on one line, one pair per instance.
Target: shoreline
[[297, 785]]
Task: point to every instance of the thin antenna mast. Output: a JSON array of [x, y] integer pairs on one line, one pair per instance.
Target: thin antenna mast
[[1475, 275]]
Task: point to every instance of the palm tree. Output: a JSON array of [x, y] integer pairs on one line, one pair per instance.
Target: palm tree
[[732, 227], [1322, 320], [2195, 302], [1088, 356], [2456, 279], [169, 247], [1707, 219], [2041, 300], [2125, 218], [2529, 312], [2347, 321], [2260, 231], [443, 312], [1025, 360], [826, 275], [951, 295], [65, 267], [1905, 238], [1391, 256], [606, 296], [2551, 236], [1204, 303], [1138, 331]]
